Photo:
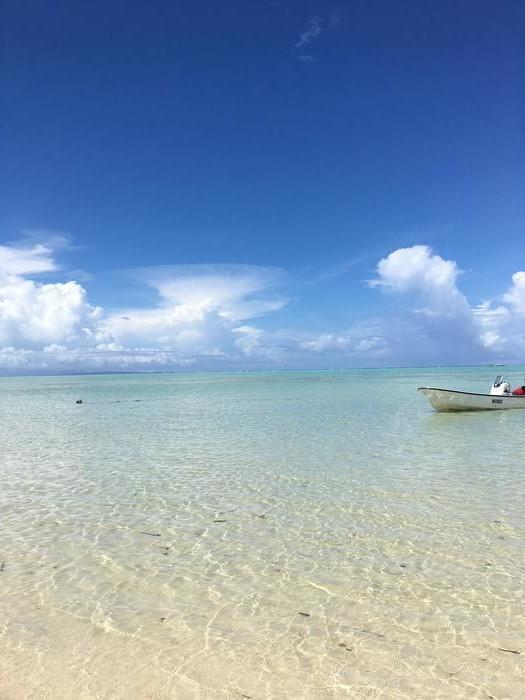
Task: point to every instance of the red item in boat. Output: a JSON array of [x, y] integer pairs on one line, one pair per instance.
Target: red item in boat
[[519, 391]]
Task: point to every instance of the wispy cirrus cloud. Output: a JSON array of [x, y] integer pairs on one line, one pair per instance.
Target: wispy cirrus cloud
[[305, 58], [316, 26], [314, 29]]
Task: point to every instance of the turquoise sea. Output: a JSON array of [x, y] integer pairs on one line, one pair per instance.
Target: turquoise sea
[[260, 535]]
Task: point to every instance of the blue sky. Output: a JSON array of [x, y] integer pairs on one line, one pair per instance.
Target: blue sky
[[214, 185]]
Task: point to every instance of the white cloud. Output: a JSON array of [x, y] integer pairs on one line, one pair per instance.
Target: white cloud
[[326, 341], [237, 291], [200, 312], [433, 321], [359, 342], [501, 327], [315, 27], [515, 296], [200, 308], [430, 278], [406, 269], [305, 58], [204, 316], [17, 262], [199, 316], [492, 322], [33, 314], [63, 359], [441, 323]]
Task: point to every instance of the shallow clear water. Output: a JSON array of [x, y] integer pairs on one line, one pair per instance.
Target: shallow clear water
[[302, 534]]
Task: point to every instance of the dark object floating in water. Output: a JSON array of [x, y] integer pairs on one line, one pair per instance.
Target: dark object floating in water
[[510, 651], [2, 566], [79, 401], [220, 521], [305, 614], [162, 619], [345, 646], [151, 534]]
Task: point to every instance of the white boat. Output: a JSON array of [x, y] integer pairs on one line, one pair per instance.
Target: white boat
[[499, 398]]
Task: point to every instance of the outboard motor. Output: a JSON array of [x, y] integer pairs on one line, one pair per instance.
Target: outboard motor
[[500, 388]]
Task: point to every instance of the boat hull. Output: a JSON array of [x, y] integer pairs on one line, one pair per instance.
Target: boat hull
[[449, 400]]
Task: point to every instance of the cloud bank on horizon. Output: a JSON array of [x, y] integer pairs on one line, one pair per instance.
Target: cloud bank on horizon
[[214, 316]]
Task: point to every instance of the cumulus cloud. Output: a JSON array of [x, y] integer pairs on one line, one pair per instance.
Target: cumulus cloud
[[431, 279], [207, 316], [34, 315], [440, 322], [200, 311], [494, 323], [515, 296], [501, 323]]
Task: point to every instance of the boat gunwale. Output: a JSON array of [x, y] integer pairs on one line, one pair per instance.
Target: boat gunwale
[[471, 393]]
